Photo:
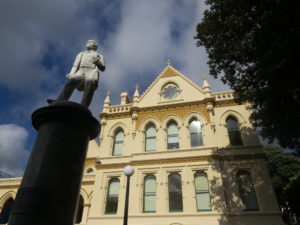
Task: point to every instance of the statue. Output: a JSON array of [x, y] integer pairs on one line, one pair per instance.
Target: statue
[[84, 75]]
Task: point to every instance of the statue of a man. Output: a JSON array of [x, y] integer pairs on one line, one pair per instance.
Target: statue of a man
[[84, 75]]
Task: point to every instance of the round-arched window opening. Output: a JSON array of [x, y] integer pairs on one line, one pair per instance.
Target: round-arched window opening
[[6, 210], [170, 91], [89, 170]]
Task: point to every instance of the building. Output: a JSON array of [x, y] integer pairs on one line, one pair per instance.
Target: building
[[196, 156]]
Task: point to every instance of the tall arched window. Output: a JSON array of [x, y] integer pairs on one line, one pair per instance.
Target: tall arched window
[[112, 196], [202, 192], [195, 132], [118, 143], [149, 194], [79, 210], [150, 138], [175, 193], [6, 210], [234, 132], [246, 189], [173, 140]]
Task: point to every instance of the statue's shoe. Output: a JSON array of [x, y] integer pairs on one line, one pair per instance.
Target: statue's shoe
[[50, 101]]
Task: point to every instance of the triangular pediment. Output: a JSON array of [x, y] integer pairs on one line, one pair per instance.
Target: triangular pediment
[[188, 91]]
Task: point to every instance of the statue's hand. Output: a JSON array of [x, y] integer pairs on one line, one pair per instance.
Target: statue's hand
[[95, 58]]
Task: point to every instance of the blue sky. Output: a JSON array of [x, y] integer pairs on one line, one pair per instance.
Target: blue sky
[[40, 39]]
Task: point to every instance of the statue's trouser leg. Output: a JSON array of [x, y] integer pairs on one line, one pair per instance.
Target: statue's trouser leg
[[88, 92], [69, 87]]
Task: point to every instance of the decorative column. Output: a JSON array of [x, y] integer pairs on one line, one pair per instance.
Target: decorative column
[[49, 191]]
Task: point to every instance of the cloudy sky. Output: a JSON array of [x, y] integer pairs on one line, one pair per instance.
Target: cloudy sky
[[40, 39]]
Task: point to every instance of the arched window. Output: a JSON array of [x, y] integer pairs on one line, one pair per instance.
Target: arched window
[[195, 133], [89, 170], [112, 196], [118, 143], [234, 132], [79, 210], [175, 193], [173, 140], [149, 194], [246, 189], [150, 138], [6, 210], [202, 192]]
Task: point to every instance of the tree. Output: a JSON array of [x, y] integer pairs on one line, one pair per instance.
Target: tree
[[284, 169], [255, 47]]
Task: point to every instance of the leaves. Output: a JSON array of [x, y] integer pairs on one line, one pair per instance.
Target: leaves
[[254, 46]]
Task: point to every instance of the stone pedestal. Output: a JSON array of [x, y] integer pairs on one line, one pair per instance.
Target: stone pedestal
[[51, 184]]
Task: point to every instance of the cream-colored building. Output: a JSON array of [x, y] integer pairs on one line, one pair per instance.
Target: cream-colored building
[[196, 156]]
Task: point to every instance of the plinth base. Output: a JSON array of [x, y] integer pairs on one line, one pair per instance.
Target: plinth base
[[51, 184]]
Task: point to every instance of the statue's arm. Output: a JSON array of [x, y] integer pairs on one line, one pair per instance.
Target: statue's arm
[[75, 66], [100, 62]]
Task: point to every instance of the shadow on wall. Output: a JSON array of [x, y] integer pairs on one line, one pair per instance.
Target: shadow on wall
[[243, 194]]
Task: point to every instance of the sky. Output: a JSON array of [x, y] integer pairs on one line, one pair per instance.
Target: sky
[[40, 39]]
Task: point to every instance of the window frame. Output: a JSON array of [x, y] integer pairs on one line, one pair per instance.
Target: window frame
[[199, 134], [172, 135], [151, 137], [242, 192], [114, 142], [151, 194], [180, 191], [235, 132], [108, 196], [202, 191]]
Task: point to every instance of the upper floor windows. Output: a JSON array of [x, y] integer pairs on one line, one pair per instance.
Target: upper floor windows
[[175, 193], [234, 132], [202, 192], [150, 138], [118, 143], [172, 132], [246, 189], [195, 132], [112, 196], [149, 194]]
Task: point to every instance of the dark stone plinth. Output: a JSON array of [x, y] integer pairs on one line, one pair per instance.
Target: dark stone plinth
[[51, 184]]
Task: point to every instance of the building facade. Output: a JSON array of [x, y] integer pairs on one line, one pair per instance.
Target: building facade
[[196, 156]]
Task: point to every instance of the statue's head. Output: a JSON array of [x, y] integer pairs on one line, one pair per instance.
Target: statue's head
[[91, 45]]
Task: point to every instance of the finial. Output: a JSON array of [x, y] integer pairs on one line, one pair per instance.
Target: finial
[[204, 77], [108, 93], [137, 87], [169, 62]]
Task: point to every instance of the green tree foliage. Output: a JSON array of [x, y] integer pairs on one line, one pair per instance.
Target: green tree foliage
[[284, 168], [255, 47]]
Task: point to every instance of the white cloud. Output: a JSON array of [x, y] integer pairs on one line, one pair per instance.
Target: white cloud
[[13, 154]]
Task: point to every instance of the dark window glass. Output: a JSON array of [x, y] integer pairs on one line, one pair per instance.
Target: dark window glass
[[173, 140], [6, 210], [175, 193], [79, 210], [118, 143], [195, 133], [112, 196], [202, 192], [150, 138], [234, 132], [247, 192], [150, 194]]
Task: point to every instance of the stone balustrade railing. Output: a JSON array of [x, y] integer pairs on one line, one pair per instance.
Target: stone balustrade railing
[[220, 96], [119, 108]]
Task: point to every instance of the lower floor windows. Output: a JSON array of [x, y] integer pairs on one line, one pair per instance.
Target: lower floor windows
[[149, 194], [247, 192], [202, 192], [175, 193], [112, 196]]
